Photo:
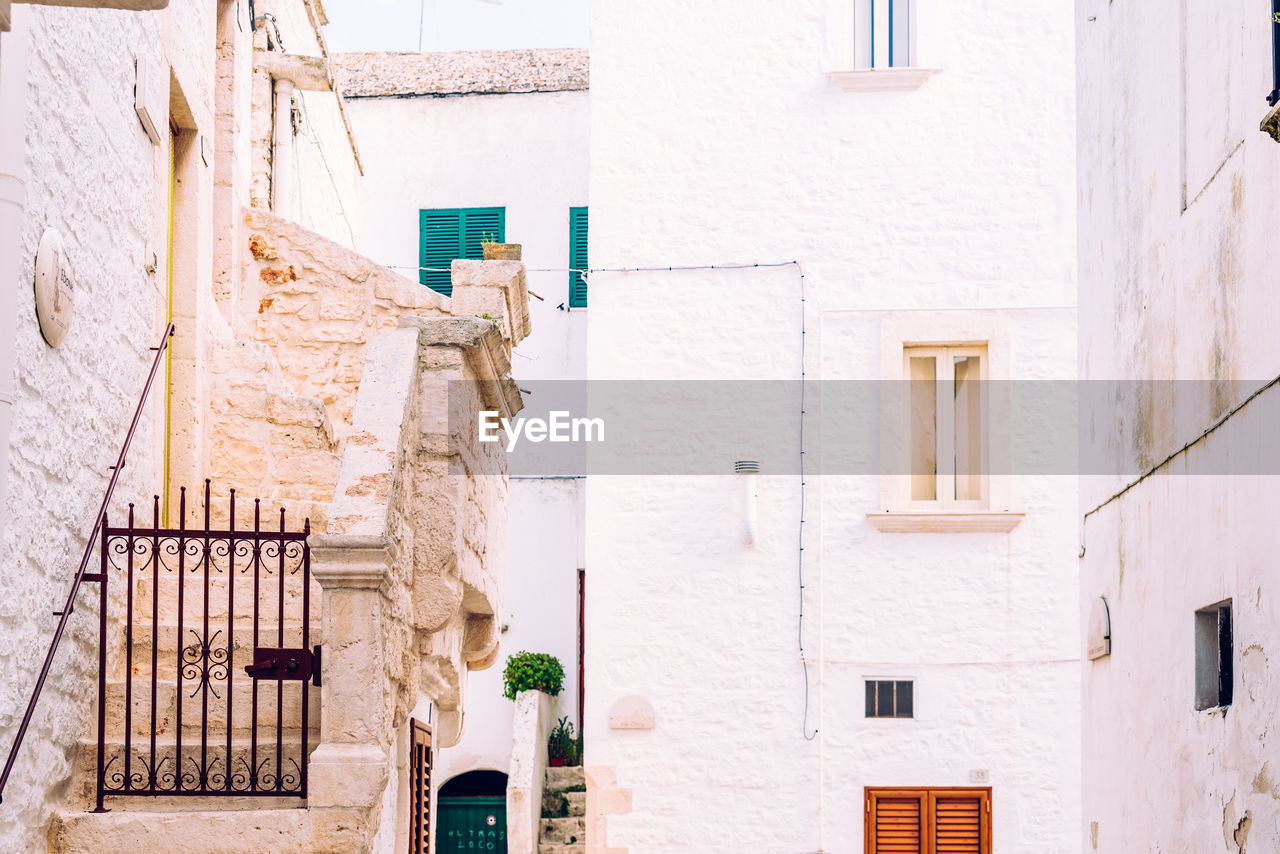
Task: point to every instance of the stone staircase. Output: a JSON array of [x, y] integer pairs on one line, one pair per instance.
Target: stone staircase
[[564, 807], [202, 698]]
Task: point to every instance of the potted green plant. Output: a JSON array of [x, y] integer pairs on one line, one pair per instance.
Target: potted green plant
[[532, 671], [495, 251], [561, 744]]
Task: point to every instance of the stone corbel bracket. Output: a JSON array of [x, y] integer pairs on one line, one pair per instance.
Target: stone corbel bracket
[[307, 74]]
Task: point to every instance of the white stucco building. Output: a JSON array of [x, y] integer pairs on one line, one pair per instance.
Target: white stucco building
[[1178, 199], [929, 205], [491, 131]]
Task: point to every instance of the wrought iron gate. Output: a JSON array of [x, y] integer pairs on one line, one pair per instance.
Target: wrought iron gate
[[205, 679]]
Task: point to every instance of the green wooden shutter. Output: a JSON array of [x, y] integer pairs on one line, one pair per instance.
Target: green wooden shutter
[[577, 257], [446, 234]]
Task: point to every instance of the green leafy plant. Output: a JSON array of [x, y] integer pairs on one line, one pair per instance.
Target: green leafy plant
[[484, 316], [574, 754], [562, 743], [488, 237], [532, 671]]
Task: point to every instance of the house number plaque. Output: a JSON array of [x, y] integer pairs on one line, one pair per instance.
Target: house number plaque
[[55, 288]]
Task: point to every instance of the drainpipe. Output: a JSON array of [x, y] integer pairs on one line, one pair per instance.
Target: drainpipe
[[13, 104], [282, 181]]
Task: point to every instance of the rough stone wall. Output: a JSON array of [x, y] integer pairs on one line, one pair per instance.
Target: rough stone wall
[[898, 223], [283, 383], [93, 174], [316, 304], [1177, 205]]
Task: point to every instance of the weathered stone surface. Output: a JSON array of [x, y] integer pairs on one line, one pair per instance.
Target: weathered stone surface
[[496, 289], [374, 75], [317, 304]]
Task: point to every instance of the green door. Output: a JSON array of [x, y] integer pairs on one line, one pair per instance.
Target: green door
[[471, 824]]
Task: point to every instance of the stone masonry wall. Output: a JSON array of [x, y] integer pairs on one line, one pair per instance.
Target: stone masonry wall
[[416, 490], [284, 382], [316, 304]]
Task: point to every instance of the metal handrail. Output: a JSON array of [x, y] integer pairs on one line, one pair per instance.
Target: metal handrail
[[65, 613]]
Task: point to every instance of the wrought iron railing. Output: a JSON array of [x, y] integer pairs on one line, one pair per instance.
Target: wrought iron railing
[[205, 679], [80, 577]]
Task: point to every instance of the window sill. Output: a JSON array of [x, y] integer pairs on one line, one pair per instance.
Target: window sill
[[881, 79], [917, 522]]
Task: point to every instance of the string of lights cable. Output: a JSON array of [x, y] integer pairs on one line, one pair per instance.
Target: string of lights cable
[[590, 270]]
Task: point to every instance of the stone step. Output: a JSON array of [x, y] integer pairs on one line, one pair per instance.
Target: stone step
[[85, 779], [560, 779], [224, 831], [578, 848], [193, 606], [236, 639], [563, 831], [193, 714], [562, 804]]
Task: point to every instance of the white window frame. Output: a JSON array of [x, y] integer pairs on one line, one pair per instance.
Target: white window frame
[[924, 328], [876, 14], [944, 428], [848, 63]]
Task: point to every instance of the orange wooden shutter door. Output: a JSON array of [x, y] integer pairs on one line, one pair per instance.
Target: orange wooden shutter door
[[896, 822], [961, 823]]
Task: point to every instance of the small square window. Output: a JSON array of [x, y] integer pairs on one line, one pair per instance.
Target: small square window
[[890, 698], [1214, 656]]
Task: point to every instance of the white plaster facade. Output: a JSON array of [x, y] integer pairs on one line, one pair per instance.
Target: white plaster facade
[[445, 131], [1177, 206], [87, 168], [925, 206]]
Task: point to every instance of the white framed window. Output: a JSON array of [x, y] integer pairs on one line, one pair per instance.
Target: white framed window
[[883, 33], [946, 427]]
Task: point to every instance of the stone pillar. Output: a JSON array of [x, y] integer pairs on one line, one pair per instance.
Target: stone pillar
[[351, 767], [495, 288]]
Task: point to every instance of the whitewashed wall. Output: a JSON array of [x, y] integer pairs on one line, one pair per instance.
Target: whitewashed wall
[[327, 175], [526, 152], [1178, 202], [718, 137], [92, 173]]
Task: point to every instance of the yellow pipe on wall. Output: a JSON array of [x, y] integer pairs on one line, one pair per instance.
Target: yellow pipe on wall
[[168, 308]]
